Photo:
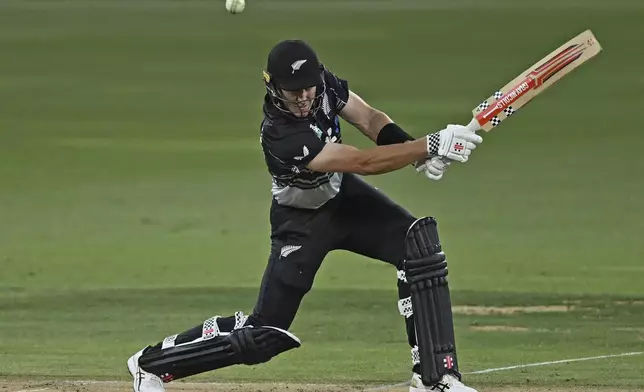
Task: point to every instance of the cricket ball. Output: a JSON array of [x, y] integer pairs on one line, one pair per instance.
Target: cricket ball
[[235, 6]]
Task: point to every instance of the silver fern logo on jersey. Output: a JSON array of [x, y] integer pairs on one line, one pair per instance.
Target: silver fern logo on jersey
[[297, 65], [288, 249], [326, 107]]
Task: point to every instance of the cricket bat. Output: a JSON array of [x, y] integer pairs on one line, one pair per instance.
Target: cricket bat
[[516, 94]]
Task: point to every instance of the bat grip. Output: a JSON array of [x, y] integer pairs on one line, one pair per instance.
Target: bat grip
[[473, 125]]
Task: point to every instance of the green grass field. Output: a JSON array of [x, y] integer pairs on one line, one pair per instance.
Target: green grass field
[[134, 197]]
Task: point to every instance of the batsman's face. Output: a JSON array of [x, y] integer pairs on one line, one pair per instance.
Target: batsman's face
[[300, 102]]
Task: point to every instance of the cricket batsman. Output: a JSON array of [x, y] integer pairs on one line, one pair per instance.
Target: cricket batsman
[[319, 204]]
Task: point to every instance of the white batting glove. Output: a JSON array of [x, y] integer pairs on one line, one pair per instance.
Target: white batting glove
[[434, 168], [455, 143]]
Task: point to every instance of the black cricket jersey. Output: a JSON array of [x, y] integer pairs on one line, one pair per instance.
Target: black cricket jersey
[[290, 143]]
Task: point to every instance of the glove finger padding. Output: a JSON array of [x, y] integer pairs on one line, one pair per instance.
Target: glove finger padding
[[434, 171], [432, 176], [434, 168], [439, 163], [470, 137], [460, 156]]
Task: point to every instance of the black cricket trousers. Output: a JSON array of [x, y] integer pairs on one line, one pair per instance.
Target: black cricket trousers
[[360, 219]]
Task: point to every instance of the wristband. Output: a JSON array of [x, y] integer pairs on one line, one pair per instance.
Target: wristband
[[392, 134]]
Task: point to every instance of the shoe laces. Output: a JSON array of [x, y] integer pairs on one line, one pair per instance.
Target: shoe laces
[[440, 387]]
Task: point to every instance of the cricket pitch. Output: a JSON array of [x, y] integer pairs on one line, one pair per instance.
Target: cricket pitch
[[121, 386]]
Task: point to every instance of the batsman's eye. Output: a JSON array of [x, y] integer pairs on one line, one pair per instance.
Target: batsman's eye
[[292, 95]]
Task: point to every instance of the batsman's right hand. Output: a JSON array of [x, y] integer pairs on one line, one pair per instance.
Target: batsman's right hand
[[455, 143], [434, 168]]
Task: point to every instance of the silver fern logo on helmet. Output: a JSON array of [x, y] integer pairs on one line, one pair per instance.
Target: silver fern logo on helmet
[[297, 65]]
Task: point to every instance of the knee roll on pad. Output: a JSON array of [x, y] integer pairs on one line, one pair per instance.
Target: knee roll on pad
[[426, 273], [258, 345]]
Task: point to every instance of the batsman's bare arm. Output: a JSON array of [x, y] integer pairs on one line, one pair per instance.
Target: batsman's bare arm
[[342, 158], [377, 160], [361, 115]]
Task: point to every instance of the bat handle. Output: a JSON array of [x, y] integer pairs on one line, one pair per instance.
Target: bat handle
[[473, 125]]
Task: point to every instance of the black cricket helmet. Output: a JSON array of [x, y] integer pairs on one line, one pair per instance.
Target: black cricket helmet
[[293, 65]]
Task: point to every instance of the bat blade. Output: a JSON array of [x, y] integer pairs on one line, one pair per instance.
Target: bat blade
[[522, 89]]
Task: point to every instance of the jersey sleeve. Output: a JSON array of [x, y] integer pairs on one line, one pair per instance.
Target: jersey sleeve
[[338, 89], [290, 154]]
